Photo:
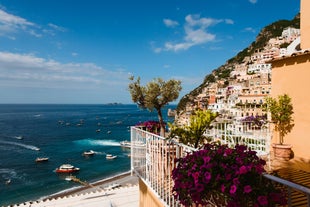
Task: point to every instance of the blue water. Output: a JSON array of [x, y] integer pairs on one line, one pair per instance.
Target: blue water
[[62, 133]]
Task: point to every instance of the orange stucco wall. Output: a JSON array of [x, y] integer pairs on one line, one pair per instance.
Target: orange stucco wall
[[305, 24], [147, 197], [292, 76]]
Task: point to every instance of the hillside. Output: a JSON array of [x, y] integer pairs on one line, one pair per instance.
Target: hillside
[[223, 72]]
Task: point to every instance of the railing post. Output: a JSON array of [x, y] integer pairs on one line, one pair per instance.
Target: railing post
[[289, 193], [131, 151]]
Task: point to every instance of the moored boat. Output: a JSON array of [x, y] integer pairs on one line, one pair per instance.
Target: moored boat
[[41, 159], [110, 157], [67, 168], [88, 153]]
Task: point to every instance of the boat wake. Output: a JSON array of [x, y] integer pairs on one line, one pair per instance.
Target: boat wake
[[31, 147], [97, 142], [7, 173]]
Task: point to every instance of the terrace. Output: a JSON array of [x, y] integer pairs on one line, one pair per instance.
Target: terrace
[[154, 160]]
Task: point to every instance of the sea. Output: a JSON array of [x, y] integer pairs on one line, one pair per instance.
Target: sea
[[62, 133]]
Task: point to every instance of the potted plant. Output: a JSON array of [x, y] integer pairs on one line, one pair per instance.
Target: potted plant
[[281, 111], [217, 175]]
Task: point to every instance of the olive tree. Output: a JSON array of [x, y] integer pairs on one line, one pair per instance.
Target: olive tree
[[155, 95], [281, 110], [193, 133]]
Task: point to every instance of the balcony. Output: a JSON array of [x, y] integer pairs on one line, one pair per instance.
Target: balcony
[[153, 159]]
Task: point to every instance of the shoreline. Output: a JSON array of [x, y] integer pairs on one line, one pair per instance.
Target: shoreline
[[120, 190], [122, 179]]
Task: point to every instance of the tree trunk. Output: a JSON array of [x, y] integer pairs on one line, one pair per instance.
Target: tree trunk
[[161, 122]]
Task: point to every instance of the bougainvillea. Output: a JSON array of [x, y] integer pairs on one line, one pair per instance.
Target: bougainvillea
[[150, 126], [234, 174], [257, 120]]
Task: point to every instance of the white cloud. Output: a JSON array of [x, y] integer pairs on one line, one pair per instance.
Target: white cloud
[[253, 1], [229, 21], [249, 29], [11, 24], [195, 33], [27, 70], [56, 27], [170, 23]]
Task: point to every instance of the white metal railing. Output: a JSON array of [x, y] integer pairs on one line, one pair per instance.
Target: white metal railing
[[246, 133], [153, 158]]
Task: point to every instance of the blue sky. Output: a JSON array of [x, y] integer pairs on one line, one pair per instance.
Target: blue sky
[[77, 51]]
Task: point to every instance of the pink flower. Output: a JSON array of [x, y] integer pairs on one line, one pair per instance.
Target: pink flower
[[236, 181], [206, 159], [195, 176], [262, 200], [243, 169], [228, 152], [207, 176], [233, 189], [247, 189], [223, 188]]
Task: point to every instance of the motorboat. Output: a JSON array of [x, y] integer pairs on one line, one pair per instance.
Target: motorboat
[[88, 153], [41, 159], [67, 168], [110, 157], [135, 144], [19, 137], [7, 182], [125, 144]]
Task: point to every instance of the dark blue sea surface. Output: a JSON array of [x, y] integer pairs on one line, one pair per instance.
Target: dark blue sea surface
[[62, 133]]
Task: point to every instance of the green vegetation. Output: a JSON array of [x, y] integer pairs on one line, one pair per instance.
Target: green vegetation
[[281, 110], [192, 134], [155, 95]]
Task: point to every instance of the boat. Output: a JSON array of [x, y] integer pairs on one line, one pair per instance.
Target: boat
[[125, 144], [98, 130], [110, 157], [41, 159], [19, 137], [128, 144], [67, 168], [88, 153], [7, 182]]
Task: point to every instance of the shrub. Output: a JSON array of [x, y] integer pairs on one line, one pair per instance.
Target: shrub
[[233, 174]]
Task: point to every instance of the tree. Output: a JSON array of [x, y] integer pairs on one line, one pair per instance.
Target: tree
[[192, 134], [155, 95], [281, 110]]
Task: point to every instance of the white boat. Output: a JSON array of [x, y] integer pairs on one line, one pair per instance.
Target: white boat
[[125, 144], [67, 168], [19, 137], [110, 157], [41, 159], [88, 153], [128, 144], [7, 182]]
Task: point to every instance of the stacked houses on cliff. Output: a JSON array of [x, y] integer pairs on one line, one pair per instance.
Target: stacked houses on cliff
[[248, 85]]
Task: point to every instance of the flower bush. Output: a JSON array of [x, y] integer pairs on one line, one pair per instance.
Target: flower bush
[[233, 174], [257, 120], [150, 126]]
